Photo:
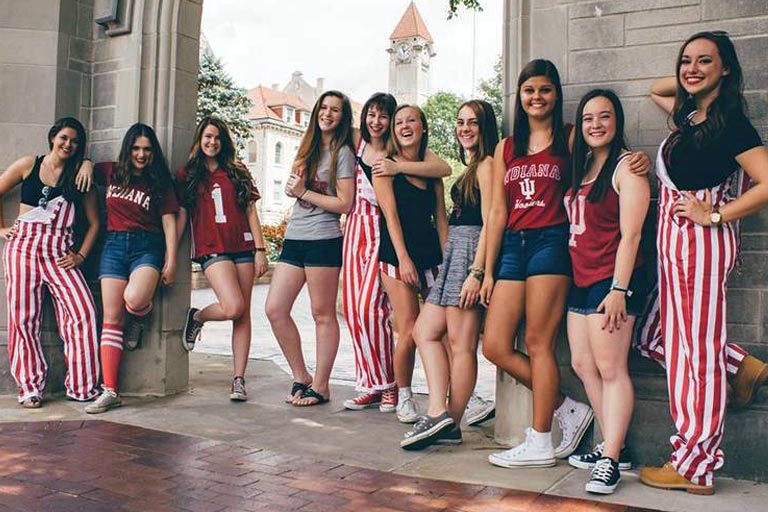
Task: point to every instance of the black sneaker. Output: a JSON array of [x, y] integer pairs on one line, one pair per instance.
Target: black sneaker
[[588, 460], [191, 330], [427, 431], [133, 330], [452, 437], [605, 477]]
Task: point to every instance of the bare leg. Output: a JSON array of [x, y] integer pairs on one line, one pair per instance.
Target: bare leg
[[428, 333], [583, 363], [405, 304], [463, 333], [142, 284], [286, 284], [241, 326]]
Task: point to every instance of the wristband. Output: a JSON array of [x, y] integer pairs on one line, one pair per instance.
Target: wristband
[[82, 258], [260, 249], [477, 273], [625, 291]]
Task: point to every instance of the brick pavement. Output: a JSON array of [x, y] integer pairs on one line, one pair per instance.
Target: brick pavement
[[90, 466]]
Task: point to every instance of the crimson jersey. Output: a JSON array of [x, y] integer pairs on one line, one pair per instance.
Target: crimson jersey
[[132, 208], [534, 188], [219, 224], [595, 234]]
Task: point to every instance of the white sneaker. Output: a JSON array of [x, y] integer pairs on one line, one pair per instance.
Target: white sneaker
[[574, 419], [407, 411], [525, 455], [479, 410], [106, 401]]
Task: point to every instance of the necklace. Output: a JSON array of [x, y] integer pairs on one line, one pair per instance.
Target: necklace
[[538, 147]]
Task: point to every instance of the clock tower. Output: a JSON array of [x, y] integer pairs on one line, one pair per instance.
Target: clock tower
[[411, 49]]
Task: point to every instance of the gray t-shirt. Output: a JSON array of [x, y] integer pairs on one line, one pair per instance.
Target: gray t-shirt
[[310, 222]]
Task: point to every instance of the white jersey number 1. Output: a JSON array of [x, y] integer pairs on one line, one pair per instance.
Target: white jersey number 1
[[218, 206]]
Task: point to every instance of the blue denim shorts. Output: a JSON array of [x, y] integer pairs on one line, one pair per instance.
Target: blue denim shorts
[[235, 257], [312, 253], [125, 251], [584, 301], [534, 252]]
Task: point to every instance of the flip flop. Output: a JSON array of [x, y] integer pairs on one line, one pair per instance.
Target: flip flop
[[295, 388], [314, 395]]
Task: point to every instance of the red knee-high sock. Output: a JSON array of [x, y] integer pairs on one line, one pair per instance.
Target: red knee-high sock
[[111, 352]]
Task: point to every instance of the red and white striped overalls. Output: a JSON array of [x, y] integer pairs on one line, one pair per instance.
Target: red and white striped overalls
[[688, 332], [41, 236], [366, 306]]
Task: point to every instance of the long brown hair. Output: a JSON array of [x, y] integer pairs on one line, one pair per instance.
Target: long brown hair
[[157, 173], [394, 146], [310, 149], [486, 144], [197, 172]]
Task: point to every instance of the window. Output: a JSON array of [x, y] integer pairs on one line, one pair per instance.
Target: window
[[289, 115], [252, 151], [279, 153], [304, 119], [277, 191]]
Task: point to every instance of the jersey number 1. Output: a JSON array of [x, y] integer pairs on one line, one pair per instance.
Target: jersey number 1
[[218, 206]]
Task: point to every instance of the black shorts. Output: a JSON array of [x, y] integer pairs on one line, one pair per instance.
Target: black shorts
[[312, 253], [235, 257]]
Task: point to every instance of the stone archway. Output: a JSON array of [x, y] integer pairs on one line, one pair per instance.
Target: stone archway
[[110, 63]]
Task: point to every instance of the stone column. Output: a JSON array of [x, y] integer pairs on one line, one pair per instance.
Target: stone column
[[140, 66]]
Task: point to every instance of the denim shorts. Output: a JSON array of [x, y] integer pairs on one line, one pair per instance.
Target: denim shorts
[[584, 301], [235, 257], [533, 252], [125, 251], [312, 253]]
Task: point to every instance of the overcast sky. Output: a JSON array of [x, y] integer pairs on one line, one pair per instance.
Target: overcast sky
[[344, 41]]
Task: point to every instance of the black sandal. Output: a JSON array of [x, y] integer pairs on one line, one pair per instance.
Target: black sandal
[[311, 393], [32, 402], [296, 388]]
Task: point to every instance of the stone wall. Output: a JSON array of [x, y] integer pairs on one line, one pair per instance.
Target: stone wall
[[56, 61], [625, 45]]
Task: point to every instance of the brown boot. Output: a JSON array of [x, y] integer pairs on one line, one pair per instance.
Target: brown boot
[[667, 477], [752, 374]]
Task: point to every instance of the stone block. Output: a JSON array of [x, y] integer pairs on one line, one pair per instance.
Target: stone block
[[624, 88], [102, 118], [661, 17], [29, 94], [549, 37], [80, 49], [601, 32], [85, 22], [104, 90], [591, 66], [106, 67], [35, 15], [190, 14], [735, 27], [743, 306], [754, 273], [606, 7], [68, 16], [757, 106], [724, 9], [754, 242], [752, 52], [28, 47], [188, 53], [79, 66], [68, 93], [19, 140]]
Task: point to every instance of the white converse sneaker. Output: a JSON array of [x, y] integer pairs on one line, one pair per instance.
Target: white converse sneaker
[[106, 401], [525, 455], [479, 410], [407, 411], [574, 419]]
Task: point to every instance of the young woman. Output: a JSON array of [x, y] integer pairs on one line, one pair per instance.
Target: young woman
[[533, 272], [312, 249], [366, 307], [40, 250], [451, 308], [700, 179], [140, 246], [413, 230], [606, 206], [219, 193]]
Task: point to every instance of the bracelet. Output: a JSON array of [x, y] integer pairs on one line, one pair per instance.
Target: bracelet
[[303, 193], [260, 249], [477, 273], [625, 291], [82, 258]]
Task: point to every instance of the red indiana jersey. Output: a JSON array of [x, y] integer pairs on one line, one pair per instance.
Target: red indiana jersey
[[132, 208], [534, 188], [219, 223], [595, 235]]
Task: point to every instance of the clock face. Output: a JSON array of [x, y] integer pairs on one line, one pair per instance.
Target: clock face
[[403, 52]]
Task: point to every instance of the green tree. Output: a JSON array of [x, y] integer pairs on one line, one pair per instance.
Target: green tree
[[440, 110], [218, 95], [453, 6], [492, 90]]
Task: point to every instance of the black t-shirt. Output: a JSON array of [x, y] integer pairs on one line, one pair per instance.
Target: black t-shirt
[[694, 169]]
